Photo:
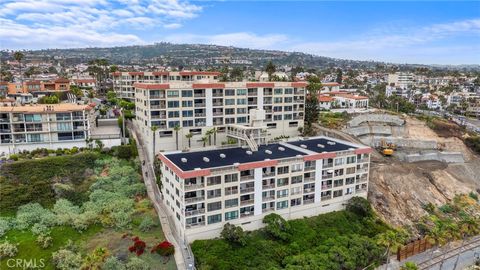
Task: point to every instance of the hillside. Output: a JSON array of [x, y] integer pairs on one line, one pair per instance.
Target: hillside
[[197, 56]]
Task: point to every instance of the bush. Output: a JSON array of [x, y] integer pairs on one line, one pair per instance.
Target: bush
[[40, 229], [146, 224], [14, 157], [165, 248], [277, 227], [138, 246], [65, 259], [233, 234], [66, 212], [32, 213], [360, 206], [8, 249], [112, 263], [44, 240], [137, 264], [5, 225]]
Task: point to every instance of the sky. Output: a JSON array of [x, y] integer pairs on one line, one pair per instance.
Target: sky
[[424, 32]]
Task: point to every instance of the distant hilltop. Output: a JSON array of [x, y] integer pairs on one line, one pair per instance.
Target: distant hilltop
[[207, 56]]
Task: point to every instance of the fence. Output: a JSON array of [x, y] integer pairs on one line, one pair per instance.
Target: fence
[[413, 248]]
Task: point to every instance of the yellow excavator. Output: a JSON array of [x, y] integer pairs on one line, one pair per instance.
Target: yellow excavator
[[387, 149]]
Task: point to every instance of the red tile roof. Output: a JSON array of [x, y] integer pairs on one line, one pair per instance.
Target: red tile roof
[[152, 85]]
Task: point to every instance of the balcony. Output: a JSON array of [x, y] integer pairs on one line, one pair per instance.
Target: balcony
[[218, 94], [189, 187], [326, 186], [269, 209], [217, 113], [199, 105], [362, 170], [247, 202], [268, 198], [156, 96], [247, 178], [310, 168], [195, 224], [194, 199], [326, 198], [362, 160], [246, 214], [247, 190], [157, 107], [309, 179], [361, 190], [328, 165], [5, 130], [200, 114], [327, 176], [268, 174], [361, 179], [268, 186], [308, 201], [218, 104], [158, 117], [308, 190], [200, 95], [194, 212]]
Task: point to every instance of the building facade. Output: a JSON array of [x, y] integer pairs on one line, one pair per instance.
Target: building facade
[[29, 127], [204, 190], [198, 107], [123, 81]]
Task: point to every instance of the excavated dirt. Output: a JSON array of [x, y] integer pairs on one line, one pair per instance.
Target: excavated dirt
[[399, 190]]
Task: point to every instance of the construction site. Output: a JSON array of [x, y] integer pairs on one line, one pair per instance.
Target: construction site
[[413, 164]]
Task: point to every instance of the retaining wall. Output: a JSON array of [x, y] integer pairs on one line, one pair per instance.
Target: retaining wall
[[376, 117], [376, 130], [449, 157], [376, 141]]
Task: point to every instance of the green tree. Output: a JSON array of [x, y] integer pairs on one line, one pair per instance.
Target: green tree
[[233, 234], [311, 104], [18, 56], [360, 206], [189, 137], [154, 134], [339, 75], [209, 135], [276, 226], [409, 266], [270, 69], [391, 240], [204, 140], [176, 129]]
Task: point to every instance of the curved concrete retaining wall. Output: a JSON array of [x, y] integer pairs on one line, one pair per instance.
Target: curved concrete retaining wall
[[449, 157], [401, 142], [376, 117], [376, 130]]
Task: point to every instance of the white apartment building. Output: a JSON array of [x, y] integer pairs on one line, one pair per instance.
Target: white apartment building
[[199, 107], [403, 80], [28, 127], [203, 190], [123, 81]]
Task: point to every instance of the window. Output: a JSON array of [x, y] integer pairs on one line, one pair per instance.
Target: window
[[187, 113], [229, 92], [241, 110], [214, 206], [61, 116], [282, 182], [337, 193], [278, 91], [241, 92], [297, 167], [277, 118], [187, 93], [38, 117], [64, 126], [288, 100], [187, 103], [231, 203], [231, 190], [173, 114], [282, 170], [231, 178], [277, 100], [34, 138], [172, 124], [288, 91], [338, 183], [229, 101], [351, 159], [242, 120], [214, 219], [349, 191], [214, 193], [350, 180], [282, 193], [231, 215], [214, 180], [172, 93], [241, 101], [173, 104], [65, 136], [229, 111], [350, 170], [296, 202], [339, 161], [296, 179], [282, 204]]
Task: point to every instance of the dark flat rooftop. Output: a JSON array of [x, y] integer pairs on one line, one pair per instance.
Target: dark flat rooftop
[[232, 155], [312, 145]]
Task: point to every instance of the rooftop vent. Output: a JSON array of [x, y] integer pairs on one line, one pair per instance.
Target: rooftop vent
[[298, 155], [249, 152], [236, 164], [303, 146], [281, 148], [206, 159], [320, 145], [351, 149], [184, 160], [331, 143], [223, 155], [268, 152]]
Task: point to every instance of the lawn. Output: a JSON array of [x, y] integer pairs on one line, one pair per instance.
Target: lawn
[[333, 120]]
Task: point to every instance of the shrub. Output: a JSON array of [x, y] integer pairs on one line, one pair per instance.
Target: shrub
[[360, 206], [137, 264], [146, 224], [44, 240], [233, 234], [5, 225], [65, 259], [32, 213], [473, 195], [409, 266], [138, 246], [122, 219], [112, 263], [66, 212], [277, 227], [8, 249], [40, 229], [165, 248], [14, 157]]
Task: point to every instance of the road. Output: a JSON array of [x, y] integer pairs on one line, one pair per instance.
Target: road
[[183, 256]]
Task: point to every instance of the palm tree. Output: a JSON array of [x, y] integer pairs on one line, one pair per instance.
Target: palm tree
[[18, 56], [176, 129], [270, 69], [154, 129], [214, 132], [209, 134], [204, 140], [392, 240], [189, 137]]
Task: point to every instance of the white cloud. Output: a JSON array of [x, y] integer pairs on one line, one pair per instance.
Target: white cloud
[[240, 39], [83, 22]]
